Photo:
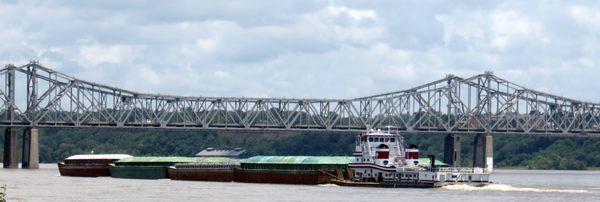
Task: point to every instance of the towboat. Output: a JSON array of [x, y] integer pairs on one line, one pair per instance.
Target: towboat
[[381, 160], [88, 165]]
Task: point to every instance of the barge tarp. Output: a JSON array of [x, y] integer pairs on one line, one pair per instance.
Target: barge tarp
[[302, 162]]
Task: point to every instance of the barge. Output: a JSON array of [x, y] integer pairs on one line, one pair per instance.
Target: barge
[[382, 161], [153, 167], [89, 165], [292, 169], [208, 171]]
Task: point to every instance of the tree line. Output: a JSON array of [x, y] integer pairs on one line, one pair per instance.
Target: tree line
[[509, 151]]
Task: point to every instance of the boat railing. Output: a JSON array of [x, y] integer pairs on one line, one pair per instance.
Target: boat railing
[[453, 169]]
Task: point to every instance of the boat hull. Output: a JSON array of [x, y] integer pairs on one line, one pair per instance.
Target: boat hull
[[220, 175], [83, 170], [405, 184], [282, 177], [138, 172]]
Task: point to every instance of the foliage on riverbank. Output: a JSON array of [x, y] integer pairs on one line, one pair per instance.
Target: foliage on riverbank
[[3, 193], [509, 151]]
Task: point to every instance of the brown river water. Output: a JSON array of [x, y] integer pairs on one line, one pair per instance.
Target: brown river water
[[46, 184]]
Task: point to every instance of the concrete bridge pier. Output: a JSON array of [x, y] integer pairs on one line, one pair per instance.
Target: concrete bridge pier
[[31, 154], [11, 139], [483, 152], [452, 150]]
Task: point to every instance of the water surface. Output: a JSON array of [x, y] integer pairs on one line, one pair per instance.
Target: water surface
[[46, 184]]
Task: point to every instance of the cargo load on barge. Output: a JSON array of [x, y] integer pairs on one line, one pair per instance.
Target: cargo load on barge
[[382, 160], [153, 167], [292, 169], [89, 165], [235, 153]]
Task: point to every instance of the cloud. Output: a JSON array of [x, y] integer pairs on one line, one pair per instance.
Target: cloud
[[585, 16], [96, 54], [510, 27], [306, 49]]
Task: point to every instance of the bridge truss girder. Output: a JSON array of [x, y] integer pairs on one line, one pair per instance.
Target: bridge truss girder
[[482, 103]]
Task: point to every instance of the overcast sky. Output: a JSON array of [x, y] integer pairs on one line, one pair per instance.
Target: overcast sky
[[310, 49]]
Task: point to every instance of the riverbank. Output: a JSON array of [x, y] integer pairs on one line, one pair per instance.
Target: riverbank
[[536, 152]]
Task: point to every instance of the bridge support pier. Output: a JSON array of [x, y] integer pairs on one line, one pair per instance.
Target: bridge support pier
[[452, 150], [483, 152], [11, 139], [31, 152]]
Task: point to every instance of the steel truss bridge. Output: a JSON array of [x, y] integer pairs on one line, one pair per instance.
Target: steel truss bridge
[[37, 96]]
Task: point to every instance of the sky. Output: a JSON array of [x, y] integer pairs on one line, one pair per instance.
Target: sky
[[308, 49]]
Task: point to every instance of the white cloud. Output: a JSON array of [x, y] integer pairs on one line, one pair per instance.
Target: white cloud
[[586, 16], [509, 27], [97, 54], [355, 14], [306, 49]]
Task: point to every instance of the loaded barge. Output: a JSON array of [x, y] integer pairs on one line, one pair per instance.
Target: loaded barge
[[88, 165], [292, 169], [222, 171], [217, 165], [154, 167]]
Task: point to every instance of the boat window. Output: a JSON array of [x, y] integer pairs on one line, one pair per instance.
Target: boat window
[[387, 139], [382, 146], [370, 139], [393, 140]]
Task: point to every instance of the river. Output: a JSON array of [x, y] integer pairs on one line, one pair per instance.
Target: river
[[45, 184]]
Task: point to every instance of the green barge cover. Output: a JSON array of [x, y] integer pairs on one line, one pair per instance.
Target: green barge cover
[[426, 162], [296, 162], [155, 167]]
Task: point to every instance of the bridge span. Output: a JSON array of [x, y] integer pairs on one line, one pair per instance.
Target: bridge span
[[34, 96]]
